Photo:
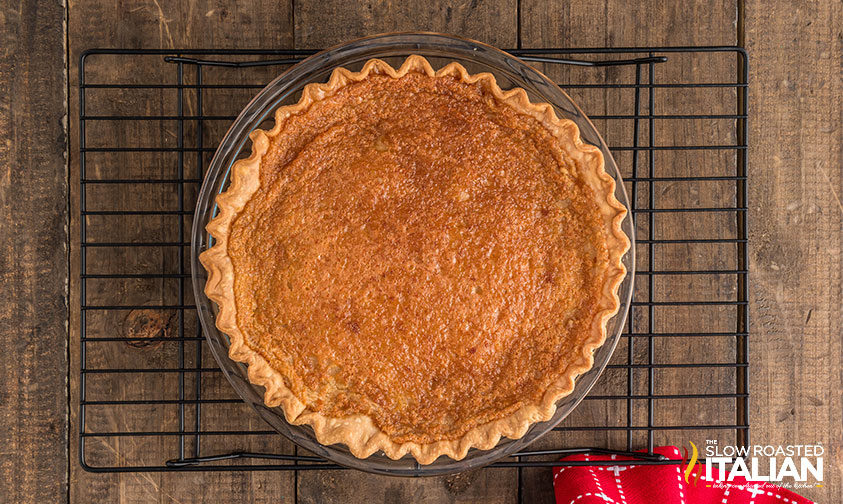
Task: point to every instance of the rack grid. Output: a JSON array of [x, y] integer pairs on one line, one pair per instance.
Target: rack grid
[[152, 399]]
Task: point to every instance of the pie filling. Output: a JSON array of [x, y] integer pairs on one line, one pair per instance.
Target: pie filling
[[420, 252]]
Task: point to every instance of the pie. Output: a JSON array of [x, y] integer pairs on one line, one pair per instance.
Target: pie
[[416, 261]]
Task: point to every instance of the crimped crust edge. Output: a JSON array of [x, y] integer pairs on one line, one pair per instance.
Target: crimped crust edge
[[359, 432]]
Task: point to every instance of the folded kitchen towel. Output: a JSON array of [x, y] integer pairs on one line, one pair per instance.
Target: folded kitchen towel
[[663, 484]]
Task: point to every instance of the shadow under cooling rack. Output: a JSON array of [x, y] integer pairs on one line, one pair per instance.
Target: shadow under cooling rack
[[151, 397]]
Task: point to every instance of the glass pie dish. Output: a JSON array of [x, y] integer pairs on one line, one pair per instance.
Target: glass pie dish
[[510, 72]]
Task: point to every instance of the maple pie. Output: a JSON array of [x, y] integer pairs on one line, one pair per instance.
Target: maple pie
[[416, 261]]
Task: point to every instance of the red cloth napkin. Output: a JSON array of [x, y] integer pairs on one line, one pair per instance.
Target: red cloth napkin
[[640, 484]]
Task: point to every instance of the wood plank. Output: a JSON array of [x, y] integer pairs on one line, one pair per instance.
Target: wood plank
[[326, 23], [795, 240], [321, 24], [796, 232], [612, 23], [493, 486], [207, 24], [33, 259], [615, 23]]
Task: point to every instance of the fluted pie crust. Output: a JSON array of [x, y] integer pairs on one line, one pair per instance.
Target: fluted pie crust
[[496, 332]]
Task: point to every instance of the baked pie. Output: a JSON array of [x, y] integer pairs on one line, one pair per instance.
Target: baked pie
[[416, 261]]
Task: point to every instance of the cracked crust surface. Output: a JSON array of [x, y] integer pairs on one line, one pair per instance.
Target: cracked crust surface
[[416, 261]]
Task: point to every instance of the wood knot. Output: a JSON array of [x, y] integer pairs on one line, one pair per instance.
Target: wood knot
[[142, 325]]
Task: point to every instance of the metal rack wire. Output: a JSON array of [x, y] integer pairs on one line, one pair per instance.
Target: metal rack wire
[[151, 399]]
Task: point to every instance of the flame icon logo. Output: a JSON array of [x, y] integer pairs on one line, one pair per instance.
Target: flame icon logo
[[692, 464]]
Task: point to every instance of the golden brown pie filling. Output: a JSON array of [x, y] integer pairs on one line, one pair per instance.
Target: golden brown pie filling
[[420, 252]]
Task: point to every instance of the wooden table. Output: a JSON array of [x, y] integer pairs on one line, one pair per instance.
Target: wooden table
[[795, 188]]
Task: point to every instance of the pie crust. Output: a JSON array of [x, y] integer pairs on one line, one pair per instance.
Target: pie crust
[[360, 432]]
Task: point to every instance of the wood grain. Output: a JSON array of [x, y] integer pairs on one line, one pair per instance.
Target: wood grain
[[796, 187], [154, 24], [612, 24], [33, 254], [796, 231], [615, 23], [493, 486], [320, 24]]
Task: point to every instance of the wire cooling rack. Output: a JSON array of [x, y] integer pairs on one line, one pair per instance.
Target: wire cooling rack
[[151, 397]]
